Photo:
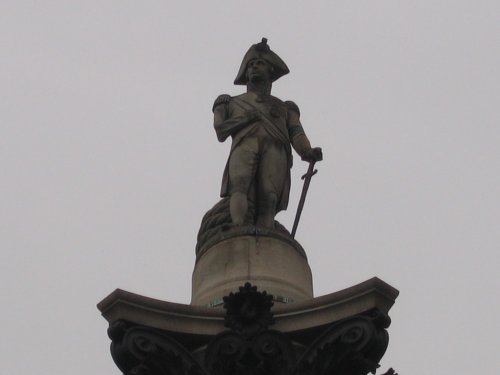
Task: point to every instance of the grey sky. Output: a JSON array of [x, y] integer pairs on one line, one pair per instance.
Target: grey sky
[[108, 161]]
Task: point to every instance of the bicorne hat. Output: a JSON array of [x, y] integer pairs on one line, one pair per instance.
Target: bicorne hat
[[261, 51]]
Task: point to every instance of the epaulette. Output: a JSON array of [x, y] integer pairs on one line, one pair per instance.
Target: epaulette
[[291, 105], [221, 99]]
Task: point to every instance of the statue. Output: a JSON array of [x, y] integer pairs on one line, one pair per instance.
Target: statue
[[263, 130], [256, 180], [247, 263]]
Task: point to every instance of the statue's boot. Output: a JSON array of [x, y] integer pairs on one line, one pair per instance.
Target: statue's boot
[[238, 207], [267, 210]]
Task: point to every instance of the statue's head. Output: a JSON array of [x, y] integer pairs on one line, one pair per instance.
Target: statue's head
[[260, 54]]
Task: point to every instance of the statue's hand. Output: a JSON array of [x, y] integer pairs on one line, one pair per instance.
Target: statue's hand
[[313, 154], [253, 116]]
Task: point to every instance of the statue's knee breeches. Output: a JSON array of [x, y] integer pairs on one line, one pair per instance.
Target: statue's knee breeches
[[243, 164], [273, 170]]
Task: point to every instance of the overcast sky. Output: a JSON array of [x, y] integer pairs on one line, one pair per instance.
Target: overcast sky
[[108, 161]]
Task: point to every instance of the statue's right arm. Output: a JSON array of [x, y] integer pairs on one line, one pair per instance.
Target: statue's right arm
[[224, 123]]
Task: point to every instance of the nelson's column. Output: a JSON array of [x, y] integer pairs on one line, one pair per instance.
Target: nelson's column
[[252, 307]]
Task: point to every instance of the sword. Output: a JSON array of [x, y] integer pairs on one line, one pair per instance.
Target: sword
[[307, 180]]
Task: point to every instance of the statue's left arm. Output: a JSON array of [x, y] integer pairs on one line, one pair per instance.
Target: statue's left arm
[[298, 137]]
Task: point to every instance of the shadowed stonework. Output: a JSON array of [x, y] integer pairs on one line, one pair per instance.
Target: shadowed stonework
[[216, 222], [340, 333]]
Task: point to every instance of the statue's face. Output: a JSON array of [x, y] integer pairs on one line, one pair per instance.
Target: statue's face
[[258, 70]]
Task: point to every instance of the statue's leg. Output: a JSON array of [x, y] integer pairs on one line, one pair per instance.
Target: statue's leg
[[242, 168], [267, 210], [238, 207], [272, 174]]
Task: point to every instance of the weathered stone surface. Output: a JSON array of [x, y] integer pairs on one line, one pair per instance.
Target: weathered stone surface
[[269, 260], [263, 129], [275, 326], [204, 321], [216, 221], [337, 334]]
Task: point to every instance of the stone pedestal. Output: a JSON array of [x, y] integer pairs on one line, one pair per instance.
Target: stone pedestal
[[272, 262], [270, 324]]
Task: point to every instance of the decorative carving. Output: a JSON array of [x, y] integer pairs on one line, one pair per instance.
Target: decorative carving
[[226, 353], [275, 352], [269, 352], [216, 221], [250, 348], [352, 346], [145, 351], [248, 311]]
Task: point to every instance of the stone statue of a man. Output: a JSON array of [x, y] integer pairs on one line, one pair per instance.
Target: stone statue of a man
[[263, 128]]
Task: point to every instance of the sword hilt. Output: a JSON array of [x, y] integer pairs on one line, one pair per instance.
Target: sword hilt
[[309, 174], [310, 171]]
